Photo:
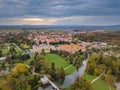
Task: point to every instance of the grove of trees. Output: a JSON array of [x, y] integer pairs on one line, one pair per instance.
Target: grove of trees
[[98, 63]]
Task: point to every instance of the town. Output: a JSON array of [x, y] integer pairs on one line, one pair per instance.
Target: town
[[58, 60], [59, 44]]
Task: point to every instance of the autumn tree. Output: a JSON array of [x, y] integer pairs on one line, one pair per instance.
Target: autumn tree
[[80, 84], [17, 78], [109, 79]]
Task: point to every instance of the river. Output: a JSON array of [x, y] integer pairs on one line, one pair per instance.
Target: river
[[69, 79]]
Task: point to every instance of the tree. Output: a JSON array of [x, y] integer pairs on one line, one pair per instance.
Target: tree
[[24, 57], [34, 81], [99, 69], [109, 79], [80, 84], [19, 69], [40, 64], [12, 50], [17, 78], [61, 73], [53, 72], [53, 66], [43, 51], [35, 56], [3, 65], [0, 53]]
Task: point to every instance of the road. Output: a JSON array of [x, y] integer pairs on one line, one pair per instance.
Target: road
[[2, 58], [53, 85]]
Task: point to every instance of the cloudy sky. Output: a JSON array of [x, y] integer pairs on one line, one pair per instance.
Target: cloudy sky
[[59, 12]]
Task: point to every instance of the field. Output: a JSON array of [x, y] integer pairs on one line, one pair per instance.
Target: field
[[59, 62], [98, 85], [4, 51]]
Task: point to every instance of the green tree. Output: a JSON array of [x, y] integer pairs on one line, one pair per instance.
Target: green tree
[[1, 53], [43, 51], [61, 73], [80, 84], [109, 79], [40, 64], [53, 66]]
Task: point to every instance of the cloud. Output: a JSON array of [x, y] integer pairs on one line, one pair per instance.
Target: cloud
[[76, 20], [29, 21], [56, 9]]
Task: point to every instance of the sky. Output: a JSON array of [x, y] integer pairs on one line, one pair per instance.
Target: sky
[[59, 12]]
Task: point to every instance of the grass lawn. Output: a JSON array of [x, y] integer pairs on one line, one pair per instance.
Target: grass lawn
[[4, 51], [17, 50], [70, 70], [59, 62], [98, 85]]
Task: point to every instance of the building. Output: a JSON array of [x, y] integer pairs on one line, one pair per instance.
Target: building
[[72, 48], [44, 80], [39, 48]]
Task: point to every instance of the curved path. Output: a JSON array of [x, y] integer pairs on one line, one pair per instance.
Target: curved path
[[97, 77], [68, 67], [17, 47]]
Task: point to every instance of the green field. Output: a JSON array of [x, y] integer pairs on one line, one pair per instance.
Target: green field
[[98, 85], [59, 62], [70, 70], [4, 51], [17, 50]]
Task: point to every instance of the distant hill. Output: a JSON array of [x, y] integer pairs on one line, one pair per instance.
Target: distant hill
[[79, 27]]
